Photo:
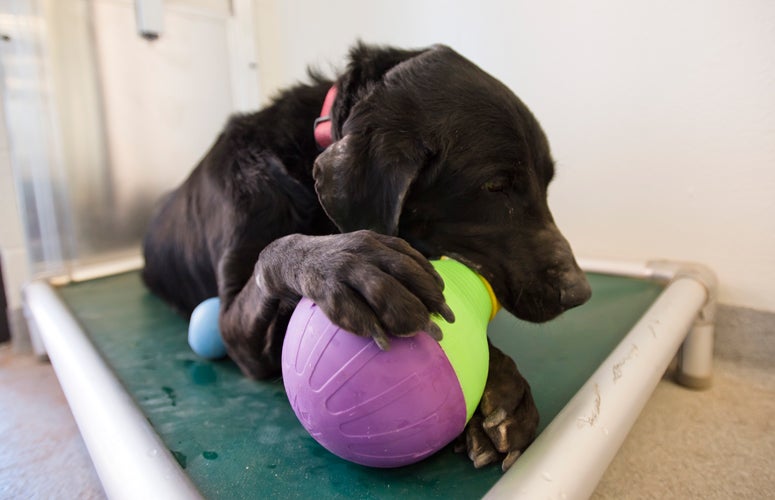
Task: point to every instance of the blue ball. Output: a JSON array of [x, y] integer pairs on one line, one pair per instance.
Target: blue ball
[[204, 336]]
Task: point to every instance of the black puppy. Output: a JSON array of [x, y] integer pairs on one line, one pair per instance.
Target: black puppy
[[431, 156]]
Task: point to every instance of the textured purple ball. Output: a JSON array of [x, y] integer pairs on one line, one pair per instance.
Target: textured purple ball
[[372, 407]]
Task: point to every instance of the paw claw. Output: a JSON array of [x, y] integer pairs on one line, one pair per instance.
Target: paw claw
[[510, 459], [434, 331], [382, 342], [447, 313], [483, 458], [495, 419]]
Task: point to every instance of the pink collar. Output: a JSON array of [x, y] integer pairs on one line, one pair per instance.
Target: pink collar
[[323, 123]]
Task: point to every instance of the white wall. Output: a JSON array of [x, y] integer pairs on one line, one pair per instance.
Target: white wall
[[661, 114], [100, 122], [164, 102]]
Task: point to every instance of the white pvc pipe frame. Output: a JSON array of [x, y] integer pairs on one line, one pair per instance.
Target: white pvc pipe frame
[[570, 456], [130, 458], [566, 461]]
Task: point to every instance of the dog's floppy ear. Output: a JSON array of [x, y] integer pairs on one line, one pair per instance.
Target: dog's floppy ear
[[367, 65], [362, 179]]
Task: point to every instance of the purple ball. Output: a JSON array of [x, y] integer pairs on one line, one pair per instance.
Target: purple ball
[[372, 407]]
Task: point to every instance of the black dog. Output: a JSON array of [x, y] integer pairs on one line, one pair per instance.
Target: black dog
[[431, 157]]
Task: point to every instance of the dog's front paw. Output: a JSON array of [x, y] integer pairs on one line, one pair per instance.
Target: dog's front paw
[[368, 283], [506, 420]]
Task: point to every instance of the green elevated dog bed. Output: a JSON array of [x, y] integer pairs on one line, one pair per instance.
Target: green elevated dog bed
[[230, 437]]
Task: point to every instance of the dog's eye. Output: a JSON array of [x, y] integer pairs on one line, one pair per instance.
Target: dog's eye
[[495, 185]]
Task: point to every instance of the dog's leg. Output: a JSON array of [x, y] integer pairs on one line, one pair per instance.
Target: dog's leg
[[365, 282], [506, 420]]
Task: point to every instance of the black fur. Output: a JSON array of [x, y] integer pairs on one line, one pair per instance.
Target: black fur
[[428, 150]]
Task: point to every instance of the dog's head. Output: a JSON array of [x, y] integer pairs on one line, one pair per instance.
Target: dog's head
[[431, 148]]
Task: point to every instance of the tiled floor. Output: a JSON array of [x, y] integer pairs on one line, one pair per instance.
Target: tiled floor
[[715, 444]]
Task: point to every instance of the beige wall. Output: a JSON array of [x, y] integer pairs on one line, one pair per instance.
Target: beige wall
[[661, 114]]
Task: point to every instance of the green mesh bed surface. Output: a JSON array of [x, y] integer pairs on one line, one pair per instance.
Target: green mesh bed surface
[[238, 438]]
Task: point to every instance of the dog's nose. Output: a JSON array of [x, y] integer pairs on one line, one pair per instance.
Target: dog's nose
[[575, 293]]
